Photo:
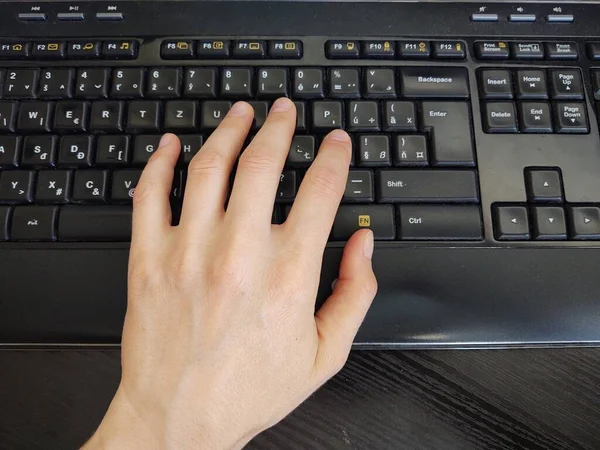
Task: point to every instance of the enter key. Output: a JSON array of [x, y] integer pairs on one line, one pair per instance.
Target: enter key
[[449, 125]]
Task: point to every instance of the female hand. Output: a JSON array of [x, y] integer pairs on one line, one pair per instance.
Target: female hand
[[221, 340]]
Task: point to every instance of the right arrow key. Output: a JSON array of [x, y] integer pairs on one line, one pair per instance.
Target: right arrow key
[[585, 222], [571, 117]]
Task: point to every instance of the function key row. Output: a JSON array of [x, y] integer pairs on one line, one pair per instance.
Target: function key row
[[496, 50], [52, 50], [234, 83], [225, 49], [353, 49]]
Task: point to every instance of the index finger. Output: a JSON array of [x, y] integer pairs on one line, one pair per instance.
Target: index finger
[[321, 191]]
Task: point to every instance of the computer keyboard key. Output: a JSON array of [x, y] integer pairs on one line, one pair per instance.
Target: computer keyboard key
[[344, 83], [285, 49], [308, 83], [34, 223], [144, 115], [21, 83], [16, 186], [566, 84], [90, 186], [440, 222], [431, 186], [92, 83], [261, 110], [107, 116], [84, 50], [288, 185], [400, 116], [448, 50], [301, 124], [511, 223], [548, 223], [177, 49], [531, 84], [249, 49], [39, 151], [373, 150], [302, 151], [496, 84], [71, 116], [5, 216], [124, 183], [527, 50], [35, 117], [499, 117], [190, 145], [10, 151], [75, 151], [492, 50], [164, 83], [200, 83], [56, 83], [584, 222], [272, 83], [363, 116], [380, 83], [127, 83], [570, 118], [122, 49], [535, 117], [144, 147], [93, 223], [351, 218], [8, 116], [543, 185], [327, 115], [48, 50], [342, 49], [236, 83], [562, 50], [15, 50], [449, 125], [414, 49], [434, 82], [359, 187], [411, 150], [213, 113], [112, 150], [53, 186], [181, 116]]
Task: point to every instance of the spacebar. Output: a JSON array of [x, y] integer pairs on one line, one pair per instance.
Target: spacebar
[[94, 223]]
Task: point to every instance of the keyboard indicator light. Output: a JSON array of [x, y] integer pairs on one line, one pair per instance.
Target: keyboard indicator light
[[364, 221]]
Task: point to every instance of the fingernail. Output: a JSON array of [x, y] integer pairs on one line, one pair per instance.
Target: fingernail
[[368, 245], [239, 109], [281, 105], [339, 135], [165, 140]]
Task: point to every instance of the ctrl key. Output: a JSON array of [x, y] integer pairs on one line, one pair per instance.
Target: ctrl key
[[585, 222], [511, 223], [351, 218]]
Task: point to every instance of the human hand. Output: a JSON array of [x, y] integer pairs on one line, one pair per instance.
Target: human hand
[[221, 339]]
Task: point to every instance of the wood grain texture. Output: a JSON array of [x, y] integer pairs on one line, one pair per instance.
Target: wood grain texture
[[517, 399]]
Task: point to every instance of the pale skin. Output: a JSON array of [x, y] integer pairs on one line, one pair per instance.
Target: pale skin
[[221, 340]]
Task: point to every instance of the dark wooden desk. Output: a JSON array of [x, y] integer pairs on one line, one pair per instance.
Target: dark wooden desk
[[533, 399]]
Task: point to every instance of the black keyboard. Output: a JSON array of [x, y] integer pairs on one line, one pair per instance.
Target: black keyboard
[[476, 155]]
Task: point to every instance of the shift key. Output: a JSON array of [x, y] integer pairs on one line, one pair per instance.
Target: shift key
[[449, 125], [433, 186]]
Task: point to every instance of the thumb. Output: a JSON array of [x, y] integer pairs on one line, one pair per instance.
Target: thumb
[[340, 316]]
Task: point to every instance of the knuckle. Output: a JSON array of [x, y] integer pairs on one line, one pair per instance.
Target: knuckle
[[326, 182], [206, 163], [258, 159], [333, 361], [370, 286]]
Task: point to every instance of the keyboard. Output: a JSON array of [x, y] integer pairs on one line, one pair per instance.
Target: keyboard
[[475, 162]]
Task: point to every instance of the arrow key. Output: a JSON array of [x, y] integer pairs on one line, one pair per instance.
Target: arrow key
[[549, 223], [584, 222], [511, 223], [571, 117], [543, 186]]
